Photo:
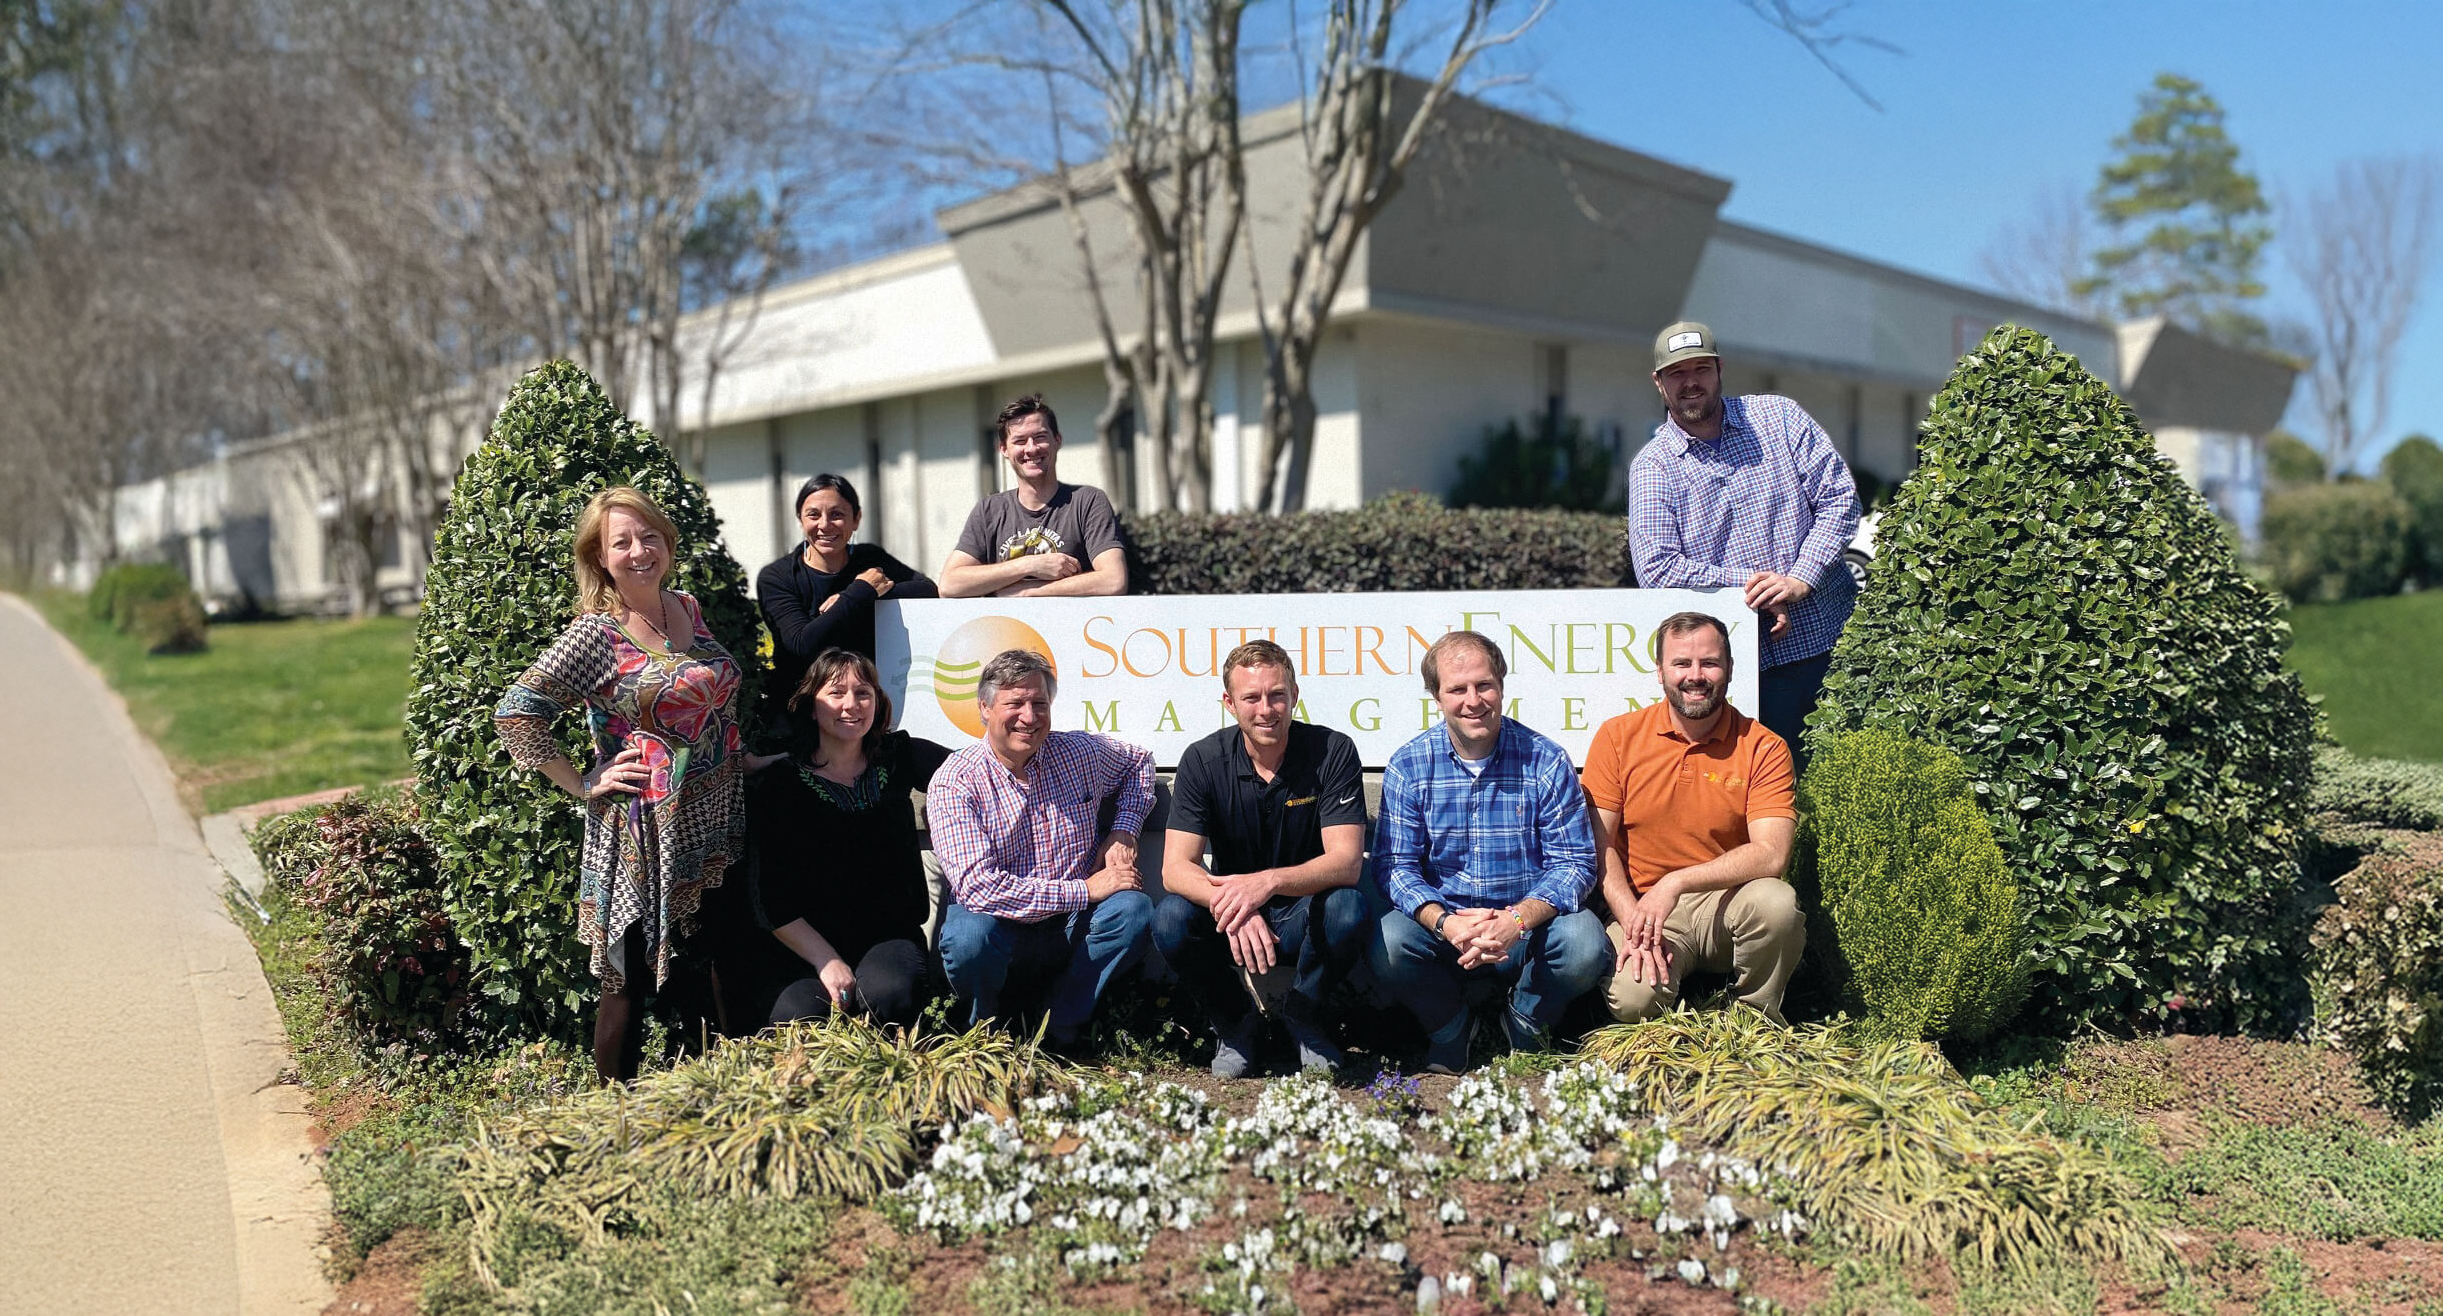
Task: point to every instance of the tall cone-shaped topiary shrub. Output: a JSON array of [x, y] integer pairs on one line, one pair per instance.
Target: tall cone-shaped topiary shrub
[[500, 589], [2050, 601]]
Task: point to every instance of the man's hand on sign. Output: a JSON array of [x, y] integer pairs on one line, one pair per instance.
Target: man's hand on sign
[[1777, 621], [1767, 590], [1253, 947], [1237, 897]]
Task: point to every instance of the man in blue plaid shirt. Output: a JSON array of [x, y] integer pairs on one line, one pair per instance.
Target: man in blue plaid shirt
[[1485, 853], [1747, 493]]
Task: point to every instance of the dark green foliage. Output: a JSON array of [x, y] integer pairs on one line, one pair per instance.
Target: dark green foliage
[[1545, 465], [2377, 792], [498, 592], [1404, 541], [153, 602], [2379, 977], [2050, 601], [2290, 462], [2414, 469], [389, 960], [1924, 921], [2329, 542]]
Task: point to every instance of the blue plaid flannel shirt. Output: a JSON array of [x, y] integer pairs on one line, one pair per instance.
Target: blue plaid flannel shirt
[[1484, 840], [1771, 494]]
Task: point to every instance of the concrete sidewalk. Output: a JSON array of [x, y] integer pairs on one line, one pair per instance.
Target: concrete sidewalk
[[151, 1160]]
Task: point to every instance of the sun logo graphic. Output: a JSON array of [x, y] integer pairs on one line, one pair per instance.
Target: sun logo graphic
[[954, 667]]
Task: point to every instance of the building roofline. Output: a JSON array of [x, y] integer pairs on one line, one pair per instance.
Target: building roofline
[[1786, 245]]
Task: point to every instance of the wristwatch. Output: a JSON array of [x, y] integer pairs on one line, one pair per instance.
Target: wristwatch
[[1440, 919]]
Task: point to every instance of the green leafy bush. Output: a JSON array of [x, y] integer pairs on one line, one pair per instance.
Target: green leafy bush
[[2290, 463], [2377, 792], [1923, 920], [2051, 602], [498, 592], [2414, 469], [1545, 464], [2379, 977], [393, 967], [2329, 542], [153, 602], [1404, 541]]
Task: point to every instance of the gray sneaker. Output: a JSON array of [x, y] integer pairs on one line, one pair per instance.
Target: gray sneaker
[[1524, 1035], [1315, 1050], [1234, 1052]]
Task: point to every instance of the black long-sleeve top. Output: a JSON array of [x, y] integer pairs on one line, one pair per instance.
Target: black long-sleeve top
[[791, 595], [844, 858]]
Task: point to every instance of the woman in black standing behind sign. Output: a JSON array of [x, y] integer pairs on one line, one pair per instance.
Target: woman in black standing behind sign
[[821, 594], [838, 879]]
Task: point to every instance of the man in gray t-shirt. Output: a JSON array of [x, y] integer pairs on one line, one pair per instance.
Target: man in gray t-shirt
[[1043, 537]]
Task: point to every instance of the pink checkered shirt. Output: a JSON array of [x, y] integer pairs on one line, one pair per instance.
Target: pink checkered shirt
[[1020, 848]]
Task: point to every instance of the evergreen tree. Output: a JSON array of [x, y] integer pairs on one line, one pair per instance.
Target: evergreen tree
[[2188, 220], [2050, 601], [500, 590]]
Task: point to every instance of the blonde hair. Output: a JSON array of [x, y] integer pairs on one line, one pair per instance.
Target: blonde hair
[[595, 590]]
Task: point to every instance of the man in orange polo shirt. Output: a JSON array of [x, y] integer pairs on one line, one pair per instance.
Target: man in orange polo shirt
[[1695, 819]]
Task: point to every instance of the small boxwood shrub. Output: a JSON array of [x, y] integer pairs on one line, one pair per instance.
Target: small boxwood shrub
[[2328, 542], [152, 602], [1403, 541], [390, 962], [2377, 792], [499, 590], [2050, 601], [2379, 977], [1916, 913]]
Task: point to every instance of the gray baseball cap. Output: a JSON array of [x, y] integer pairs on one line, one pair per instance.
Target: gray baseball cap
[[1680, 342]]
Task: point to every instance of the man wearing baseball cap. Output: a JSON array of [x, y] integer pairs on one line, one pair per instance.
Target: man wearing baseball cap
[[1747, 493]]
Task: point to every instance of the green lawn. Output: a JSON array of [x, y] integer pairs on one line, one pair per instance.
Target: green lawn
[[271, 709], [2379, 665]]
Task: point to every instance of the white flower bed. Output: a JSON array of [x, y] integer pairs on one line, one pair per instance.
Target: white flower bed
[[1094, 1174]]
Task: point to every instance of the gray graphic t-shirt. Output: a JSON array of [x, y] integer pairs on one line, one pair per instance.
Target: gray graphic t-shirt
[[1078, 521]]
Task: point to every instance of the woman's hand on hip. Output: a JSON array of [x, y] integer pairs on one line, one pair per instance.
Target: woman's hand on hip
[[625, 774]]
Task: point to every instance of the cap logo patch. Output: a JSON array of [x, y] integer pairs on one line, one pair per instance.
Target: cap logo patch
[[1679, 341]]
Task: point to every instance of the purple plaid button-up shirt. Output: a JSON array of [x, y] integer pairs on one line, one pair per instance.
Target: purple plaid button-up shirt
[[1021, 847], [1771, 494]]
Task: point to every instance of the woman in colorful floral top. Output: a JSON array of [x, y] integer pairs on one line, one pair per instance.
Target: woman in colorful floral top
[[837, 875], [664, 811]]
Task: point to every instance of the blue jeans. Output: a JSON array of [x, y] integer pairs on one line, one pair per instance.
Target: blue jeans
[[1090, 948], [1201, 956], [1550, 967]]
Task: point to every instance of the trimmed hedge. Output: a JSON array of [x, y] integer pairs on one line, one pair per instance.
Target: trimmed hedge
[[2329, 542], [391, 962], [499, 591], [153, 602], [2050, 601], [1917, 915], [2377, 792], [2379, 978], [1402, 541]]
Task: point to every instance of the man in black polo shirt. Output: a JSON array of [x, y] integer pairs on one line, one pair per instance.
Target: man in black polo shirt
[[1283, 806]]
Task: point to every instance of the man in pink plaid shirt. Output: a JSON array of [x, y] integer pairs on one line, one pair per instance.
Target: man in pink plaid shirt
[[1037, 878]]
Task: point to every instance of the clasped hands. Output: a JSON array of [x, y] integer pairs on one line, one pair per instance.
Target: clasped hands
[[1238, 911], [872, 576], [1644, 953], [1483, 936], [1772, 593], [1115, 869]]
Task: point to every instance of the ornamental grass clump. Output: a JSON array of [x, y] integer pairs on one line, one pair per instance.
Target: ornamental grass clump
[[498, 592], [833, 1109], [2379, 978], [2050, 601], [1879, 1141], [1919, 920]]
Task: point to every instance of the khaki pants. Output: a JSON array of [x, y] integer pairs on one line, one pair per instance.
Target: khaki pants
[[1753, 931]]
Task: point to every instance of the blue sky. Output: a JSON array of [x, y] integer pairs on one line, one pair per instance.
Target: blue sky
[[1991, 102]]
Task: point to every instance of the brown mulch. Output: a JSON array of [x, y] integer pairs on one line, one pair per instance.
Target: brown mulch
[[389, 1281]]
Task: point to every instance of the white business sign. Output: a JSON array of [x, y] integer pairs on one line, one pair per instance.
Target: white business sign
[[1144, 668]]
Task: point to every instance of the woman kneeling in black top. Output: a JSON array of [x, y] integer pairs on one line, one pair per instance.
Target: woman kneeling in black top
[[839, 879]]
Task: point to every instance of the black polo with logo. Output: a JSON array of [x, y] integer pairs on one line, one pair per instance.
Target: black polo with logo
[[1253, 824]]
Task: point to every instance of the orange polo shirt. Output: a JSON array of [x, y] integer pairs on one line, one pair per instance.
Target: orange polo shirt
[[1681, 804]]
